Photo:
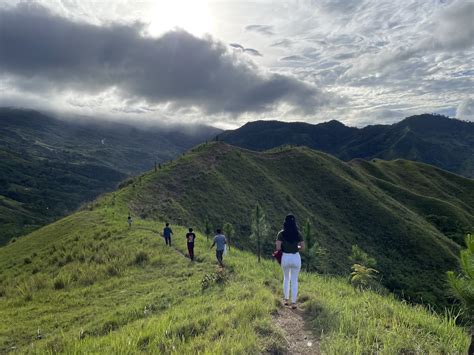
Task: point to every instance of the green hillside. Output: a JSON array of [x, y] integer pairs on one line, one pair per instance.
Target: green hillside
[[49, 167], [89, 284], [441, 141], [411, 217]]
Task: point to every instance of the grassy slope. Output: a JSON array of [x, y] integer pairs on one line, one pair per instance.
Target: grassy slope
[[400, 200], [78, 284]]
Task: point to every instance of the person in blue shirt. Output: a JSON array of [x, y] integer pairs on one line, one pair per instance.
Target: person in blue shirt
[[220, 242], [167, 232]]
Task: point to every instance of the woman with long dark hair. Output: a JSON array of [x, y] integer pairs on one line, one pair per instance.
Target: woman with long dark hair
[[290, 242]]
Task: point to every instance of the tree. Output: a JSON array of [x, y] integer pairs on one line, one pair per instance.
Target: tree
[[321, 255], [462, 285], [363, 274], [309, 241], [207, 229], [358, 256], [259, 228], [229, 232]]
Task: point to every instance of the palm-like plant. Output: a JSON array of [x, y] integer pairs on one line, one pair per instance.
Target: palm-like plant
[[462, 285], [363, 277]]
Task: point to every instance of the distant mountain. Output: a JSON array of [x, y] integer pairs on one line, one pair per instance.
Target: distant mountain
[[48, 167], [410, 216], [437, 140]]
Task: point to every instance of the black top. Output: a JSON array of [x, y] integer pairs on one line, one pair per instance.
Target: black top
[[287, 246], [190, 237]]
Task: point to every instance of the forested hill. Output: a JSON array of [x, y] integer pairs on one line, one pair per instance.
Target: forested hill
[[48, 167], [433, 139], [410, 216]]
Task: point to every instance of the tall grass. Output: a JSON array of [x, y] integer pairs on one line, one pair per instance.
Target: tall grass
[[100, 287]]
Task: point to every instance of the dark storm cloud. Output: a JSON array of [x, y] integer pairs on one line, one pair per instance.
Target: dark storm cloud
[[42, 50], [262, 29]]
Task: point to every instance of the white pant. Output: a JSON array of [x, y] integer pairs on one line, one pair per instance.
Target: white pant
[[291, 265]]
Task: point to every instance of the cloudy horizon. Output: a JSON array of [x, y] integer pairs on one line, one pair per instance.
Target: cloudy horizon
[[225, 63]]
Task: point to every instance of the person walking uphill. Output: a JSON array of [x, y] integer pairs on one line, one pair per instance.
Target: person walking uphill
[[220, 242], [167, 232], [190, 237], [290, 242]]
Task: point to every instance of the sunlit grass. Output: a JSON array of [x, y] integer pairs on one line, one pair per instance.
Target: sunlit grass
[[89, 284]]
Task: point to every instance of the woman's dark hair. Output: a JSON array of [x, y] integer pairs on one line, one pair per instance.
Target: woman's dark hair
[[290, 230]]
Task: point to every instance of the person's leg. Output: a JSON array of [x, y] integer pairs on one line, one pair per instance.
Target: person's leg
[[286, 277], [219, 256], [295, 270], [191, 251]]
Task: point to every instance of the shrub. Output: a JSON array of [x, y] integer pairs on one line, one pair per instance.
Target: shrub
[[109, 326], [27, 260], [59, 283], [25, 291], [219, 278], [113, 270], [141, 258]]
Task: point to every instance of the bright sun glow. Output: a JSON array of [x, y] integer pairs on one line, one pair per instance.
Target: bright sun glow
[[191, 15]]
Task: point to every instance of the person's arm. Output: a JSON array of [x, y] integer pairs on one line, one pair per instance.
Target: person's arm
[[301, 245], [171, 231], [278, 245], [278, 241], [300, 242]]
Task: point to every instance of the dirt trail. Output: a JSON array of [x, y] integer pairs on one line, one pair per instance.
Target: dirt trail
[[299, 339]]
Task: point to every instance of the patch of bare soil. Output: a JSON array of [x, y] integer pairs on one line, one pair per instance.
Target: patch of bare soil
[[299, 338]]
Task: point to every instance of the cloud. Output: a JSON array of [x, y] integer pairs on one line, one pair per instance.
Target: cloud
[[236, 45], [262, 29], [285, 43], [465, 110], [253, 52], [293, 58], [41, 52], [451, 29], [250, 51]]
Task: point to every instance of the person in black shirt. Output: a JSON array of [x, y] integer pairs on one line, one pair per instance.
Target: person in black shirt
[[190, 237]]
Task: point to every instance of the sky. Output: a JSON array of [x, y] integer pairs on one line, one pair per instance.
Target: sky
[[225, 63]]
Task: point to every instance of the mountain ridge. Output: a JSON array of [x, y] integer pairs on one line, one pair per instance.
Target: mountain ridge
[[49, 167], [434, 139]]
